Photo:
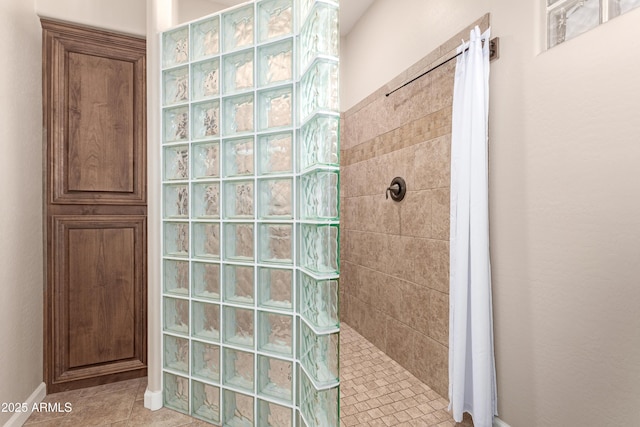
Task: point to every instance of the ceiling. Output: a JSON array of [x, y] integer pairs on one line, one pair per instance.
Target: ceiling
[[350, 11]]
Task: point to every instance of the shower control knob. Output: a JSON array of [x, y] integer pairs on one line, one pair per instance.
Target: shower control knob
[[397, 189]]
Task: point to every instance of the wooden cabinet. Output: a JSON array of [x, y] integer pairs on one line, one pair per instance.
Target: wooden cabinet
[[95, 206]]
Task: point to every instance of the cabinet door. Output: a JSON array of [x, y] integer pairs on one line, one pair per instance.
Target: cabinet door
[[95, 206], [98, 300]]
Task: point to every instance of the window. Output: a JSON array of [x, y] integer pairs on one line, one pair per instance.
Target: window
[[569, 18]]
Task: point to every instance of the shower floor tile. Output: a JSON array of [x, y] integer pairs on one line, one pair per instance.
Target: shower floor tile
[[374, 391]]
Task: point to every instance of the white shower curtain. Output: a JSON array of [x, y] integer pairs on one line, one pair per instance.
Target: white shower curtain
[[472, 380]]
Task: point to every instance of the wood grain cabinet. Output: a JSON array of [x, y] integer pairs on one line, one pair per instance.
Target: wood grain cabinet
[[95, 206]]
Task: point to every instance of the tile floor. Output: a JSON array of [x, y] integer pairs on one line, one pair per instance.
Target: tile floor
[[375, 391]]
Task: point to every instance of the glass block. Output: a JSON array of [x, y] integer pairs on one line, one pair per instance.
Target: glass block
[[275, 108], [206, 200], [275, 153], [572, 19], [319, 138], [176, 277], [238, 409], [320, 248], [275, 288], [175, 86], [206, 280], [272, 415], [206, 361], [238, 199], [205, 37], [275, 198], [319, 302], [206, 321], [175, 47], [176, 353], [238, 242], [238, 114], [206, 401], [304, 9], [319, 195], [319, 355], [205, 118], [619, 7], [206, 240], [276, 243], [205, 77], [238, 27], [319, 89], [238, 326], [176, 201], [275, 333], [275, 19], [176, 315], [238, 284], [176, 239], [176, 162], [318, 408], [275, 378], [275, 63], [238, 71], [206, 160], [176, 392], [238, 369], [300, 422], [319, 34], [176, 124], [238, 156]]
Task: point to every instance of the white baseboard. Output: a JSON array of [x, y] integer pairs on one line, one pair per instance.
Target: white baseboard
[[19, 418], [497, 422], [153, 400]]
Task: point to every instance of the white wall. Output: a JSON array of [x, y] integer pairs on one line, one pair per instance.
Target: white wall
[[188, 10], [21, 267], [564, 186], [125, 16], [392, 36]]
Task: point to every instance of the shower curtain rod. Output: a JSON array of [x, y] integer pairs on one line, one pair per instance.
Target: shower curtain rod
[[493, 54]]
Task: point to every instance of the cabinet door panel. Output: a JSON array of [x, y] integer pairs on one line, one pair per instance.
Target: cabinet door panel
[[101, 293], [101, 135]]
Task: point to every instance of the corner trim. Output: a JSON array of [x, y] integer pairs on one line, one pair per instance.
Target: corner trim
[[19, 418], [497, 422], [153, 400]]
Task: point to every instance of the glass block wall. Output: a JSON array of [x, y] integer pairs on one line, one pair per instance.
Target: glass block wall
[[250, 128]]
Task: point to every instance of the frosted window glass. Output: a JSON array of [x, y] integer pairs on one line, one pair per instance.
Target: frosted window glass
[[567, 19], [618, 7]]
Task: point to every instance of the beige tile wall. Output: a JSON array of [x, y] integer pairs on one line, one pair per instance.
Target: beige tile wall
[[395, 255]]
